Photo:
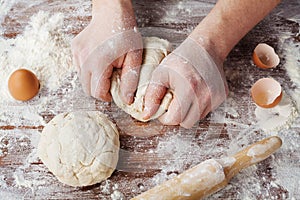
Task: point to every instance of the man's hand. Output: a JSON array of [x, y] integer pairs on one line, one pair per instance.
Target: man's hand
[[110, 40], [197, 82]]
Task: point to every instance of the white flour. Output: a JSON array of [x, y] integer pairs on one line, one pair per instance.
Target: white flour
[[181, 151], [5, 6], [277, 118], [288, 167], [45, 50], [42, 48], [292, 67], [286, 112], [44, 30]]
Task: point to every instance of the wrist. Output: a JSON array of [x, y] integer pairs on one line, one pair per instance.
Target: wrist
[[210, 43]]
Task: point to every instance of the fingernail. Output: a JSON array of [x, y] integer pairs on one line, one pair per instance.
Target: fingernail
[[186, 125], [128, 98]]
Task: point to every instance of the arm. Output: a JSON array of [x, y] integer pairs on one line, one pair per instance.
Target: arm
[[118, 5], [194, 70], [109, 41], [229, 21]]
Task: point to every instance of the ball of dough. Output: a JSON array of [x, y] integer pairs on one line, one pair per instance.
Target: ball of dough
[[155, 50], [80, 148]]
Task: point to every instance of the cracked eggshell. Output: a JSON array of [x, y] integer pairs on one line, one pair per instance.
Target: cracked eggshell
[[266, 92], [264, 56]]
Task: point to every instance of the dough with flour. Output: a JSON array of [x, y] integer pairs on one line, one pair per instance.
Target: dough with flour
[[155, 49], [80, 148]]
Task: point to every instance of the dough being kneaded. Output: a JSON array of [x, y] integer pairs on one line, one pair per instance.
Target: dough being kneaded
[[155, 50], [80, 148]]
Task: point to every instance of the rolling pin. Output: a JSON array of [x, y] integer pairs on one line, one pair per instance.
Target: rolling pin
[[211, 175]]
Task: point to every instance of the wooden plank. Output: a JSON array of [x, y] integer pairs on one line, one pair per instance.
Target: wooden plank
[[229, 128]]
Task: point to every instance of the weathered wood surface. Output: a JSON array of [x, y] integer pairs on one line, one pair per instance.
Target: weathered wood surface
[[22, 175]]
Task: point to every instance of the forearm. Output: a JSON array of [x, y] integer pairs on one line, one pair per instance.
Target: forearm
[[117, 4], [229, 21]]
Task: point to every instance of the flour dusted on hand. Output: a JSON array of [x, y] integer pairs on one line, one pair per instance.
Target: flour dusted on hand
[[80, 148], [155, 49]]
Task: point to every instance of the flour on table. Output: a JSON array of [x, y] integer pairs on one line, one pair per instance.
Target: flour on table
[[5, 6], [277, 118], [80, 148], [44, 49], [155, 50], [117, 195], [292, 67], [286, 112]]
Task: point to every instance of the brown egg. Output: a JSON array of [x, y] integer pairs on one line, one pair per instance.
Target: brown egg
[[265, 57], [23, 84], [266, 92]]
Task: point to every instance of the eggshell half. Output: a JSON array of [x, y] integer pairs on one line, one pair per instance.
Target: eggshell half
[[265, 57], [266, 92], [23, 84]]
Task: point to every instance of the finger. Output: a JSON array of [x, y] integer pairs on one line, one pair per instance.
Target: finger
[[177, 110], [118, 63], [192, 116], [205, 112], [200, 106], [154, 95], [130, 75], [155, 91], [100, 84]]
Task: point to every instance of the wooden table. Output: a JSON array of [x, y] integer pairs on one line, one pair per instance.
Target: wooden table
[[228, 129]]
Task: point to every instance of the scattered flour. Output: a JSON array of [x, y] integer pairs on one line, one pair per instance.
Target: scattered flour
[[292, 66], [286, 113], [111, 191], [5, 6], [247, 183], [277, 118], [105, 187], [117, 195], [44, 49], [181, 151], [288, 168], [258, 151]]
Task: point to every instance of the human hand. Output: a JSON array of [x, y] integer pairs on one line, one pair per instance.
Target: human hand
[[110, 40], [196, 79]]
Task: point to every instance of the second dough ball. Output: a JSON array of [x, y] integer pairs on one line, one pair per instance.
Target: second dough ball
[[80, 148]]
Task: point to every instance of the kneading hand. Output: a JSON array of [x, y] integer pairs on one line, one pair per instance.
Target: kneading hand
[[110, 40], [196, 80]]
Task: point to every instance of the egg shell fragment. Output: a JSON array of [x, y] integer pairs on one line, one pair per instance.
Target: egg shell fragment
[[264, 56], [23, 85], [266, 92]]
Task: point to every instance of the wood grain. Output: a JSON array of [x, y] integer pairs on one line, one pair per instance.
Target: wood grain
[[22, 175]]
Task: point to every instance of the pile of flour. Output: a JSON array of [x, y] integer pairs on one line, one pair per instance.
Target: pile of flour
[[44, 49]]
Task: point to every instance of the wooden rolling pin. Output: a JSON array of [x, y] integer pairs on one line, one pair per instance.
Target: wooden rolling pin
[[211, 175]]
